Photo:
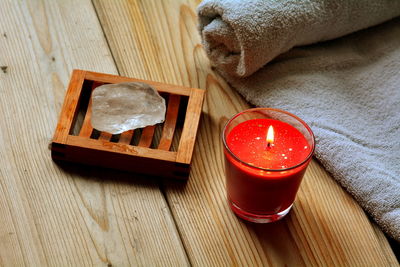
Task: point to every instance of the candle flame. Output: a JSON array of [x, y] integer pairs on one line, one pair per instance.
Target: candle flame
[[270, 135]]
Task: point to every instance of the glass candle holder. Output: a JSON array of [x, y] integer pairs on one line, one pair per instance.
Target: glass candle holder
[[267, 152]]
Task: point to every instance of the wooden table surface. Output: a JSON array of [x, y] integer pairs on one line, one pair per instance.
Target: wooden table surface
[[81, 216]]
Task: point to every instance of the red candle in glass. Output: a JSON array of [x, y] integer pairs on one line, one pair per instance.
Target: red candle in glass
[[266, 152]]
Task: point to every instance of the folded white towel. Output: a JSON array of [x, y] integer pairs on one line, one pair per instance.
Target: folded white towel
[[348, 89]]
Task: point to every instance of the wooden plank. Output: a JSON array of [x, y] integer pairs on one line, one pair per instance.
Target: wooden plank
[[104, 145], [70, 107], [104, 136], [147, 136], [161, 87], [192, 118], [326, 226], [66, 215], [126, 137], [137, 165], [170, 122], [87, 129]]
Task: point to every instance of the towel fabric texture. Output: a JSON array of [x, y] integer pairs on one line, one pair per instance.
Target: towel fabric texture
[[347, 89]]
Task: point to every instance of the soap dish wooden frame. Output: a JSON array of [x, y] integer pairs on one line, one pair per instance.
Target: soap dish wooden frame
[[140, 158]]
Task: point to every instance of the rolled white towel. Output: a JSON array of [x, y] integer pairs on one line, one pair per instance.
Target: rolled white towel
[[242, 36]]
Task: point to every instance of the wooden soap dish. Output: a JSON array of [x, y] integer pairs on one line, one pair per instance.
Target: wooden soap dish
[[148, 150]]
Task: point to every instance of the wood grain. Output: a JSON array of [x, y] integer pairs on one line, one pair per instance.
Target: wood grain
[[326, 227], [69, 108], [161, 87], [126, 137], [121, 148], [63, 215], [105, 136], [87, 129], [147, 136], [71, 215], [189, 132], [170, 122]]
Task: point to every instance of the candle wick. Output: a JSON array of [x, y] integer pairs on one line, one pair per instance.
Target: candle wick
[[268, 144]]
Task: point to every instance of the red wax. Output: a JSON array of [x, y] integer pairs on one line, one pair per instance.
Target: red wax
[[271, 189]]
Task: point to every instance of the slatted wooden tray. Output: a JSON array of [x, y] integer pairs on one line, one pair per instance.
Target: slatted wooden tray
[[148, 150]]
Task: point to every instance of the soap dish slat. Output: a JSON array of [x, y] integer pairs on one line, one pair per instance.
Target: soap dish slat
[[147, 136], [87, 129], [170, 122]]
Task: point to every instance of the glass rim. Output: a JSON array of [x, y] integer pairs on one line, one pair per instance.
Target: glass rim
[[265, 169]]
